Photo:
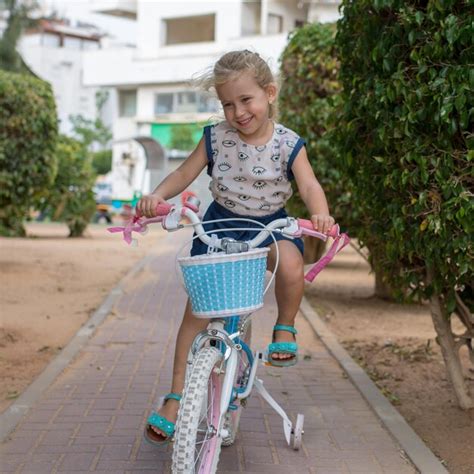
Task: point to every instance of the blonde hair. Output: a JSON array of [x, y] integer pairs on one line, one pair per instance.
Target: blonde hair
[[231, 65]]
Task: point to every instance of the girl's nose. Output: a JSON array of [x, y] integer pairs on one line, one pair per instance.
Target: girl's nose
[[239, 111]]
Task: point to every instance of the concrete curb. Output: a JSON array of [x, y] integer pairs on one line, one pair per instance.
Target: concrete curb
[[416, 450], [12, 416]]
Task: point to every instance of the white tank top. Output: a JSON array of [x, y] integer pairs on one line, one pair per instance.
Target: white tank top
[[252, 180]]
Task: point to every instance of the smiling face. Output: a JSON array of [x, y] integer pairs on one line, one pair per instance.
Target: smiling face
[[246, 105]]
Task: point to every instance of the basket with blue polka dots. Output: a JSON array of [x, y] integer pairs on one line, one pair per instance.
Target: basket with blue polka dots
[[225, 285]]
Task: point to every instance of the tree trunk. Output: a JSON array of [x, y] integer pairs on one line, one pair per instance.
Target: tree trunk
[[449, 351], [382, 290]]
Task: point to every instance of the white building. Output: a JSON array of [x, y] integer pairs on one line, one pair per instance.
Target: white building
[[54, 51], [176, 39]]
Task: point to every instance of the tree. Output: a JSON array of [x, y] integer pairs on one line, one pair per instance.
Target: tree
[[70, 199], [182, 137], [95, 135], [28, 134], [309, 92], [92, 133], [18, 20], [406, 144]]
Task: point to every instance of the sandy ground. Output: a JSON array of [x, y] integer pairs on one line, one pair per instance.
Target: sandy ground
[[396, 345], [50, 285]]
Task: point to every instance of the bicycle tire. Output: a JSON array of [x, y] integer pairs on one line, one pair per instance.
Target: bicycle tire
[[198, 410], [232, 418]]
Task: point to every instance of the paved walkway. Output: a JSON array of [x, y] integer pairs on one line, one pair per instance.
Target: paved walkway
[[91, 418]]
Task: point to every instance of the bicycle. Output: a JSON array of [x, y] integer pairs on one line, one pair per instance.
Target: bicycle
[[221, 370]]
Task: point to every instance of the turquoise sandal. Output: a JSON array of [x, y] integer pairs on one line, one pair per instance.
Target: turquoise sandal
[[283, 348], [161, 423]]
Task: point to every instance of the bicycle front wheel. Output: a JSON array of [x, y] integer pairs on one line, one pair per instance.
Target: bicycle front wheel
[[196, 444], [232, 417]]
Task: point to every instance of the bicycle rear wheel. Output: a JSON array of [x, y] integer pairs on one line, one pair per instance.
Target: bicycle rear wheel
[[196, 444]]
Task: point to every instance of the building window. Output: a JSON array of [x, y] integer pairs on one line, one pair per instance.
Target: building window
[[275, 24], [164, 104], [251, 14], [128, 103], [193, 29], [48, 39], [207, 103], [72, 43], [184, 102]]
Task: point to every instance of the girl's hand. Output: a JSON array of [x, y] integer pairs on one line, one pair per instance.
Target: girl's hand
[[147, 205], [322, 222]]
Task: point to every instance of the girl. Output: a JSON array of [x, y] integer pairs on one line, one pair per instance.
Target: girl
[[251, 160]]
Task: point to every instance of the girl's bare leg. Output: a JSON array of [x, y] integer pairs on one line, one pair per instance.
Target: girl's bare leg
[[289, 286], [190, 327]]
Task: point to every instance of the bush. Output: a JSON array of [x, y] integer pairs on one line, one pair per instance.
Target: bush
[[406, 142], [182, 137], [309, 92], [28, 133], [71, 199], [102, 161]]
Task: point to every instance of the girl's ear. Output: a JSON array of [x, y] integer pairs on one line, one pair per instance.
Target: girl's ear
[[271, 91]]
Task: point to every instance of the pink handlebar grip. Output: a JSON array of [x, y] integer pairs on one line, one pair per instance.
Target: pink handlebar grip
[[308, 225], [163, 209]]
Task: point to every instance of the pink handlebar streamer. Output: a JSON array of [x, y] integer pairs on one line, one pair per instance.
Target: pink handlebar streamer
[[340, 241], [139, 223]]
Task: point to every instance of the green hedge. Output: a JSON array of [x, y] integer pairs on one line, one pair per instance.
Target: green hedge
[[309, 93], [28, 133], [71, 199], [405, 137]]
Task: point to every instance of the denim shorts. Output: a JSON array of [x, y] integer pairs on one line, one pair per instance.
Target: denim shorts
[[216, 211]]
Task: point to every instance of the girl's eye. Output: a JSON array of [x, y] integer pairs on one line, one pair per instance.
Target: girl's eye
[[246, 99]]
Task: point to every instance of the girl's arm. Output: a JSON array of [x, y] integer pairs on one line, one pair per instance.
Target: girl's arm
[[312, 193], [175, 182]]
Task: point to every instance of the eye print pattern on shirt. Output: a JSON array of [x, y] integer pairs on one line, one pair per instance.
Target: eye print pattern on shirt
[[252, 177], [224, 166], [259, 184], [258, 170]]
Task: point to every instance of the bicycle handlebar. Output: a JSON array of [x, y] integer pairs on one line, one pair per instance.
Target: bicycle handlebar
[[170, 217]]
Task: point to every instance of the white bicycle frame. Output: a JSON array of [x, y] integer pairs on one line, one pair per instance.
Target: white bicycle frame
[[216, 328]]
